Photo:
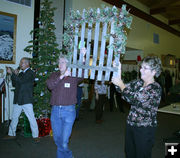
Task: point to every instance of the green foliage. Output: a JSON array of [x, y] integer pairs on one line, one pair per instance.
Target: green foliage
[[45, 53], [121, 18]]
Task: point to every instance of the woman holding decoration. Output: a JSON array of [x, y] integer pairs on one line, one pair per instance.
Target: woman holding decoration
[[144, 95]]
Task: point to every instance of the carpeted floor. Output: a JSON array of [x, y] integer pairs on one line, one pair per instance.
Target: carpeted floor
[[90, 140]]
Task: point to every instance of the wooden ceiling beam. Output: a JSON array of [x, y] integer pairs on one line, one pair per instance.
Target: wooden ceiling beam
[[174, 22], [137, 12]]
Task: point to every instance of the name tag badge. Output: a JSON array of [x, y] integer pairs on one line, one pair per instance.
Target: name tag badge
[[67, 85]]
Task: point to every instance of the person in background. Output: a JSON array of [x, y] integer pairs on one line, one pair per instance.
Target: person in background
[[111, 92], [144, 95], [161, 81], [112, 101], [173, 95], [92, 96], [63, 89], [85, 91], [79, 96], [23, 98], [168, 81], [101, 97]]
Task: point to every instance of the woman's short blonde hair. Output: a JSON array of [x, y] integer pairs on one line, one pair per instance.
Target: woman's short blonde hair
[[154, 63], [64, 57]]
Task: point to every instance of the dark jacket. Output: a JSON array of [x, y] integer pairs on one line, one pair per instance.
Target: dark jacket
[[23, 84]]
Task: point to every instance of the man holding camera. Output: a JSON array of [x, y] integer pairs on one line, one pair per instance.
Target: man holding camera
[[23, 98]]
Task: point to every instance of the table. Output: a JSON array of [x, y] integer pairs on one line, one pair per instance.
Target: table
[[173, 108]]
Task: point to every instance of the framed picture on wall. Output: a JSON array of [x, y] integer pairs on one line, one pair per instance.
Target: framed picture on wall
[[8, 24], [168, 61]]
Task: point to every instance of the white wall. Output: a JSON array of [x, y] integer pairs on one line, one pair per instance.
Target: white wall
[[25, 22], [132, 55]]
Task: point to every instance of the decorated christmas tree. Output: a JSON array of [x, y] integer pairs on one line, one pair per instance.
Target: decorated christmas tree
[[44, 49]]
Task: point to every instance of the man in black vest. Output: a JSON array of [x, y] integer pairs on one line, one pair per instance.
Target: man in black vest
[[23, 98]]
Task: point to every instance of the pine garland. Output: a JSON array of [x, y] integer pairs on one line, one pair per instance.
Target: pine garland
[[121, 20]]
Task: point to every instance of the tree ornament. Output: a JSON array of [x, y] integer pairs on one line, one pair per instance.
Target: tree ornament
[[42, 93]]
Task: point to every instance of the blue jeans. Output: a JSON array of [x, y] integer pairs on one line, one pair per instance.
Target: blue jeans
[[62, 120]]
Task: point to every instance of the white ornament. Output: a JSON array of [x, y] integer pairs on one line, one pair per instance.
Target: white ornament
[[42, 93]]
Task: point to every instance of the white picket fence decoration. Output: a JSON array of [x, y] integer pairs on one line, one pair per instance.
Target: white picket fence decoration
[[79, 29]]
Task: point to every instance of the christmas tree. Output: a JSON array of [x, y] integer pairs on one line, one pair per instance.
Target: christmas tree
[[44, 49]]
